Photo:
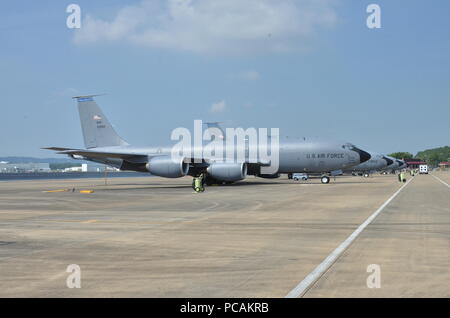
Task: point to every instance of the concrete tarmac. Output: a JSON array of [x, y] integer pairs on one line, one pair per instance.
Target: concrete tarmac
[[153, 237]]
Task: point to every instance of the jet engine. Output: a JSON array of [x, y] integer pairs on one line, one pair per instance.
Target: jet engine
[[165, 166], [227, 171]]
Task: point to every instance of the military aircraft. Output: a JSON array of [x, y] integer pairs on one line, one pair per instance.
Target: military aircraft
[[104, 145], [375, 163], [396, 164]]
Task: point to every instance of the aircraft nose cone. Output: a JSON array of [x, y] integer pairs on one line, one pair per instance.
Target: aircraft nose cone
[[363, 155], [389, 161]]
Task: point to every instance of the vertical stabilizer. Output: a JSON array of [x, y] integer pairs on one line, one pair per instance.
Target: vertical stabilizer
[[97, 130]]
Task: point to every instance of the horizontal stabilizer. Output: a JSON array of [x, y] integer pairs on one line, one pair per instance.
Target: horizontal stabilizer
[[59, 148]]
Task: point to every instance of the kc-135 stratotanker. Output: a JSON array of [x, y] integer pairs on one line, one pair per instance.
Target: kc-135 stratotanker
[[308, 155]]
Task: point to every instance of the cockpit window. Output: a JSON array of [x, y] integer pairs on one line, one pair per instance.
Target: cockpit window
[[348, 146]]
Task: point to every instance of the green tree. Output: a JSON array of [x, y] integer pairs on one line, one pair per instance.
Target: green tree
[[401, 155], [435, 156], [434, 159]]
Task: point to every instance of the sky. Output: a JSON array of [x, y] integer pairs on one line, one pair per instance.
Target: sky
[[308, 67]]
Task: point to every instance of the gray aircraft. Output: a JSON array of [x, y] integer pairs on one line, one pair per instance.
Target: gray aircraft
[[104, 145], [375, 163], [396, 164]]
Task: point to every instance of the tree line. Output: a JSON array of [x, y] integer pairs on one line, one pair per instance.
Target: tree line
[[431, 156]]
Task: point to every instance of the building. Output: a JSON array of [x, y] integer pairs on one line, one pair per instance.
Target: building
[[444, 165], [73, 169], [83, 168], [90, 168], [414, 163], [6, 167]]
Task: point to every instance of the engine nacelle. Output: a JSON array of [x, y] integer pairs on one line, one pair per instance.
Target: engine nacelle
[[225, 171], [164, 166]]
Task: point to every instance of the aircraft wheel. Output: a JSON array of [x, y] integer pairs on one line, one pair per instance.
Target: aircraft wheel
[[325, 180], [295, 179]]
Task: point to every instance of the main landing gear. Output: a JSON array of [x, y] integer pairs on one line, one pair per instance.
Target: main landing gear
[[325, 179]]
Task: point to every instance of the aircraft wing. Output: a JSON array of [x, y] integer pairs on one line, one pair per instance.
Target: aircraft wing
[[130, 157], [133, 157]]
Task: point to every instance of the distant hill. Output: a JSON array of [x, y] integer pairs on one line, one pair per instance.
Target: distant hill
[[434, 156]]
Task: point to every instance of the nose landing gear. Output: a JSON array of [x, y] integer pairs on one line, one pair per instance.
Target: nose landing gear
[[325, 179]]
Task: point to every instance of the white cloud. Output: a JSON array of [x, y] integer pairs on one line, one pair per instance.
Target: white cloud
[[219, 26], [218, 107]]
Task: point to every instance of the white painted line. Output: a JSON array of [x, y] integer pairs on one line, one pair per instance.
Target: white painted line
[[443, 182], [312, 277]]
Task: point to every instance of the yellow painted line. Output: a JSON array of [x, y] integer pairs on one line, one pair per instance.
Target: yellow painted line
[[87, 191], [62, 190], [89, 221]]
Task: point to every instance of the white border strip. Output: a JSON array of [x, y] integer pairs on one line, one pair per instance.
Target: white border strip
[[442, 181], [312, 277]]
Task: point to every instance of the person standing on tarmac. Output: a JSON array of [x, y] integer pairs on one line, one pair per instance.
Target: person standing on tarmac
[[401, 177]]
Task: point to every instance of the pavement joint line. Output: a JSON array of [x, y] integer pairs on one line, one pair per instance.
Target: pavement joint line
[[442, 181], [315, 275]]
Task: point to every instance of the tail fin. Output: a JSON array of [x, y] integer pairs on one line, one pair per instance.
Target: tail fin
[[97, 131]]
